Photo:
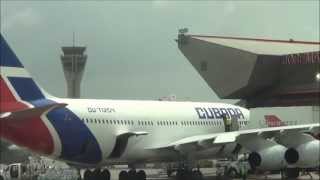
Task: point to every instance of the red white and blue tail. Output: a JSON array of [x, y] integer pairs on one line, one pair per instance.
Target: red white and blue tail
[[30, 118], [17, 88]]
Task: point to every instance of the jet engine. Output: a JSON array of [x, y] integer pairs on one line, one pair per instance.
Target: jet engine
[[270, 158], [305, 155]]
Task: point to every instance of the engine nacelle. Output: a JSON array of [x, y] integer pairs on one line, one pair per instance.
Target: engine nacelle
[[268, 159], [305, 155]]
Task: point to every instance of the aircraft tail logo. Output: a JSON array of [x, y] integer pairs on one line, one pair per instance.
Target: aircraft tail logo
[[17, 88]]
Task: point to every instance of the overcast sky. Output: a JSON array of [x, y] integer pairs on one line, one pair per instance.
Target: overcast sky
[[130, 44]]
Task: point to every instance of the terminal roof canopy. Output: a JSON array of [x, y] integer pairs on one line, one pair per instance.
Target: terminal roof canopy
[[261, 71], [262, 46]]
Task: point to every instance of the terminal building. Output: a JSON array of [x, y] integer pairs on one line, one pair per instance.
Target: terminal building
[[262, 72]]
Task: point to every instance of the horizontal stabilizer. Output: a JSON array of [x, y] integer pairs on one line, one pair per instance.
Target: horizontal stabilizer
[[31, 112]]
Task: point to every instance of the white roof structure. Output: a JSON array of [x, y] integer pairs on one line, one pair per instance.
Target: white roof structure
[[266, 72], [262, 46]]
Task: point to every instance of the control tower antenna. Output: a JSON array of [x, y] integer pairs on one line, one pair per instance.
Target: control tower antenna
[[73, 39], [73, 62]]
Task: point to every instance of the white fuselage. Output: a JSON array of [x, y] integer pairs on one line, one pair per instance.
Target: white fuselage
[[164, 123]]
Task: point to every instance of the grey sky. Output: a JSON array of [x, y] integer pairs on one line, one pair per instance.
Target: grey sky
[[131, 49]]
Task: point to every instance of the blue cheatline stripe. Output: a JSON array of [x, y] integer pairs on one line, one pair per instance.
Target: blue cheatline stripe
[[26, 88], [78, 143], [7, 56]]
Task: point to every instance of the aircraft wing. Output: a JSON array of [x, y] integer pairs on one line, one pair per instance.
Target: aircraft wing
[[241, 137]]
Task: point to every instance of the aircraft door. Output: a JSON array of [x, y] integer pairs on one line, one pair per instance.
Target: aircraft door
[[230, 123], [234, 123]]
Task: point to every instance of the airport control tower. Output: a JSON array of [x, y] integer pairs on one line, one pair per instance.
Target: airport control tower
[[73, 63]]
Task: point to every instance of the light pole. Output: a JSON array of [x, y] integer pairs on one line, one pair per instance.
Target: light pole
[[317, 78]]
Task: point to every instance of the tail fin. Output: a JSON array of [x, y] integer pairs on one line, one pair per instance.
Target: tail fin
[[17, 88]]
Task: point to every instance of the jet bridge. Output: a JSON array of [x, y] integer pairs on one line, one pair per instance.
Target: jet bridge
[[262, 72]]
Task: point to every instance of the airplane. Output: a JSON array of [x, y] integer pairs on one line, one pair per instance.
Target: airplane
[[91, 133]]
